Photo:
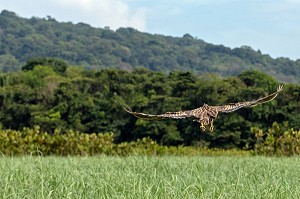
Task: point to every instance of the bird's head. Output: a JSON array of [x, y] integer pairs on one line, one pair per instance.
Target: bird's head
[[205, 106]]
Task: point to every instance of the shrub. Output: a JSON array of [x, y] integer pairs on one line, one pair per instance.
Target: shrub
[[278, 140], [36, 142], [32, 141]]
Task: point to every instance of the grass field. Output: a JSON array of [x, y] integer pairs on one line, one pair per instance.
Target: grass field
[[149, 177]]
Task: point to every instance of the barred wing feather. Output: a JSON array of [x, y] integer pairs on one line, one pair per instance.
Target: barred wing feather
[[175, 115], [235, 106]]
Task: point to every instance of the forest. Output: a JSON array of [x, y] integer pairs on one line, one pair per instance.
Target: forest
[[56, 96], [126, 48]]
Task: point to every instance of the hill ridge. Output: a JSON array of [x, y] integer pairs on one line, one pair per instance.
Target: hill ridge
[[127, 48]]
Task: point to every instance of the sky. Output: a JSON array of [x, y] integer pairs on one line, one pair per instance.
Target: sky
[[271, 26]]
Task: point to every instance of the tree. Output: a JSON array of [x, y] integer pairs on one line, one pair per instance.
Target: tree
[[58, 65]]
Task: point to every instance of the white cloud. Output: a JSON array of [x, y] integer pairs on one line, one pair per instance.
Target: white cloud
[[99, 13], [113, 13]]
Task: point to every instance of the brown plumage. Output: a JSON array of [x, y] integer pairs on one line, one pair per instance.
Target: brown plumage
[[206, 114]]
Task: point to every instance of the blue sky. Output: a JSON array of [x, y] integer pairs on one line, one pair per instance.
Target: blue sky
[[272, 26]]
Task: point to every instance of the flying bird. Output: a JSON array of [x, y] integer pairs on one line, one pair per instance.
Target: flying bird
[[205, 115]]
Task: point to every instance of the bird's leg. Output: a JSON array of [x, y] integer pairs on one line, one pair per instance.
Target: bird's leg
[[211, 128], [202, 127], [202, 123]]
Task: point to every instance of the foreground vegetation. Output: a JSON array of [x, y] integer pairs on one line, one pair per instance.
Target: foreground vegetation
[[149, 177], [278, 140], [35, 142]]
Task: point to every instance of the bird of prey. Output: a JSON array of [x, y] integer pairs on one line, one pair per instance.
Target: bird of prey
[[206, 114]]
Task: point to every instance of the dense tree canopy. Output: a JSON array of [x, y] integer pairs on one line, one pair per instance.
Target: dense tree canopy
[[22, 39], [66, 97]]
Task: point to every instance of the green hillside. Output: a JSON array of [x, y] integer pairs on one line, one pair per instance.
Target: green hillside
[[126, 48]]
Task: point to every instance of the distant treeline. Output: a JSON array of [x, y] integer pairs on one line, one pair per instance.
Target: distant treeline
[[52, 95], [126, 48]]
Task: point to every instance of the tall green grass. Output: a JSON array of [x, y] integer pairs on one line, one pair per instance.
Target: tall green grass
[[149, 177]]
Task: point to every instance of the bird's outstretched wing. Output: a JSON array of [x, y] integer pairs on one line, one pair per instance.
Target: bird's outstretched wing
[[234, 106], [175, 115]]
